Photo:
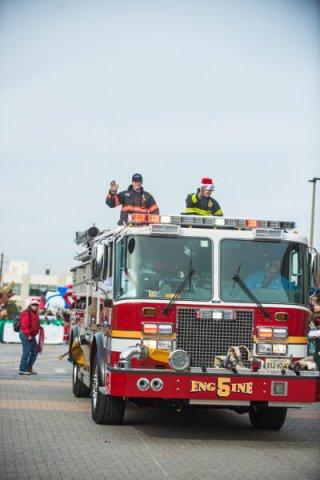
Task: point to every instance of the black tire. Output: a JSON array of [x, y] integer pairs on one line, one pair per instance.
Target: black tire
[[79, 389], [269, 418], [105, 409]]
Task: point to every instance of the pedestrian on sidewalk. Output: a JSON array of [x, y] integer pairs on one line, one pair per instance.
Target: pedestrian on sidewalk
[[29, 329]]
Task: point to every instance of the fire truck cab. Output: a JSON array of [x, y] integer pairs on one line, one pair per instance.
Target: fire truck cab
[[190, 311]]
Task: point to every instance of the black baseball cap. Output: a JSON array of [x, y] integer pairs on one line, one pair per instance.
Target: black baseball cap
[[136, 177]]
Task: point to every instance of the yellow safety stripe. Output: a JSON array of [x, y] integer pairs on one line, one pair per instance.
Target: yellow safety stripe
[[125, 334], [138, 334], [218, 212], [134, 334], [194, 198], [290, 340], [298, 340], [198, 211]]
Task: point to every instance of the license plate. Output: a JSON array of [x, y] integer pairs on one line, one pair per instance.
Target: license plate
[[277, 363]]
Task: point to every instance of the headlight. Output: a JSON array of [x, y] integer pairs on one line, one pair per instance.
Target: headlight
[[150, 343], [279, 349], [264, 348], [158, 344], [280, 333], [165, 345]]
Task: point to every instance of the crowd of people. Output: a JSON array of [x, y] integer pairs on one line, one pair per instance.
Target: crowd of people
[[314, 306]]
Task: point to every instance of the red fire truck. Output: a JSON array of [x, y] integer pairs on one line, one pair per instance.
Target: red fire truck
[[187, 311]]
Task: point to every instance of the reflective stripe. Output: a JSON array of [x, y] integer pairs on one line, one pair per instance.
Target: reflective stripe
[[133, 208], [291, 340], [298, 340], [137, 209], [218, 212], [154, 208], [126, 334], [198, 211], [194, 198]]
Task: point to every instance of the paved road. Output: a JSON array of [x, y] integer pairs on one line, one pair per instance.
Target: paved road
[[48, 434]]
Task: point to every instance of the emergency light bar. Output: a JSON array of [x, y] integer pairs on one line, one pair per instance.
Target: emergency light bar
[[209, 221]]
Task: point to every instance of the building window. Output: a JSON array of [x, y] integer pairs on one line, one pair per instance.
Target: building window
[[16, 289], [37, 290]]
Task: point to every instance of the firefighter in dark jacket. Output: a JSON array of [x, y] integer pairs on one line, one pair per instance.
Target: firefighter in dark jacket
[[133, 200], [201, 203]]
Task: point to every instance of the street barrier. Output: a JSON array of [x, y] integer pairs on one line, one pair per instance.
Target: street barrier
[[53, 334]]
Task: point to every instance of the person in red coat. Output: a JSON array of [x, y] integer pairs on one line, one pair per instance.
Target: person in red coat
[[29, 329]]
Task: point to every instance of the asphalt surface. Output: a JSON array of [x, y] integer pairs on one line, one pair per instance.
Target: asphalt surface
[[46, 433]]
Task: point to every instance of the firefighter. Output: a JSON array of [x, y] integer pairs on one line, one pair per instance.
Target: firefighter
[[201, 203], [133, 200]]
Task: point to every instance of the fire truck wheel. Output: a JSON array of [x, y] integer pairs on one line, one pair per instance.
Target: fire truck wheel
[[269, 418], [79, 389], [106, 409]]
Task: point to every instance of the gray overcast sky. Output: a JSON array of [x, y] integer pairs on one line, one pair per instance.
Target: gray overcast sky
[[97, 90]]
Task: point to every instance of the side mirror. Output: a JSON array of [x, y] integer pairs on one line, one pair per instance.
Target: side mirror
[[99, 261], [314, 268]]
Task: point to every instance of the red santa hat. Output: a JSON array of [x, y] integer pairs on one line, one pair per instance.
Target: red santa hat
[[207, 183]]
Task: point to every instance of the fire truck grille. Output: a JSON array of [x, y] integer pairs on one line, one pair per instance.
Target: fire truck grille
[[203, 339]]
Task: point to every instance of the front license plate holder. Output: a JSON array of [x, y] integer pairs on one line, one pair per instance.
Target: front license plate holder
[[277, 363]]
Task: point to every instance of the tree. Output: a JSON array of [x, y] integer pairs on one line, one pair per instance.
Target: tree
[[12, 308]]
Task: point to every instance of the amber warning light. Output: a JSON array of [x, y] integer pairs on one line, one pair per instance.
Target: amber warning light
[[209, 221]]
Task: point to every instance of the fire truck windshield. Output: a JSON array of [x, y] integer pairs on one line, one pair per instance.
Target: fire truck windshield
[[155, 267], [275, 272]]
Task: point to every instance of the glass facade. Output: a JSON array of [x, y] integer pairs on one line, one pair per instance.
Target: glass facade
[[38, 290], [17, 288]]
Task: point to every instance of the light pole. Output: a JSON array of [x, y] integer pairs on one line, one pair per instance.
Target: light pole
[[314, 181]]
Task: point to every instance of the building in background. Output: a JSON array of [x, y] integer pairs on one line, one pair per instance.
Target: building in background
[[27, 284]]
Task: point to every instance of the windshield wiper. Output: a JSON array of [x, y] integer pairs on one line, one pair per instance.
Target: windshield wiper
[[236, 274], [168, 308], [250, 294]]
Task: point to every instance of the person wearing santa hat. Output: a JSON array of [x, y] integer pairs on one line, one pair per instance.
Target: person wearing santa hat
[[201, 202]]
